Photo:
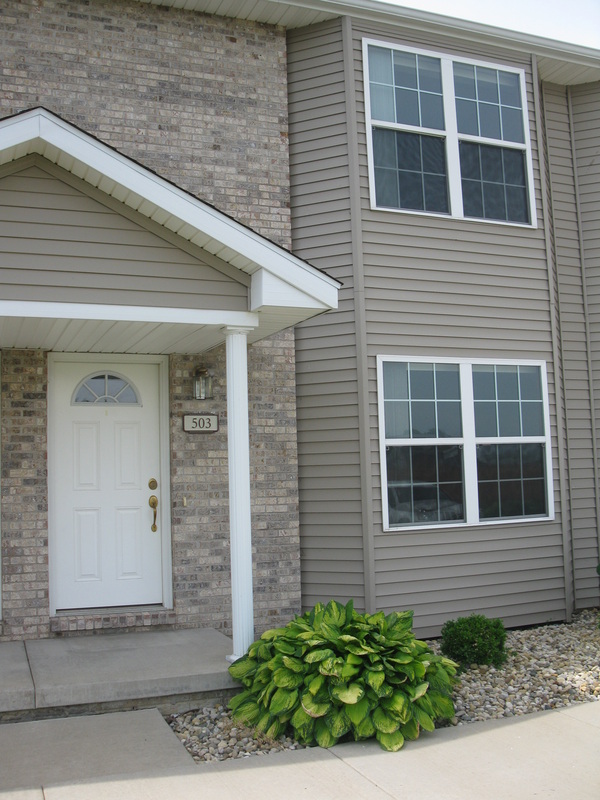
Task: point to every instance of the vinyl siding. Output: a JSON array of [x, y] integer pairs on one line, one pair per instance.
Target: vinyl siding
[[585, 110], [436, 287], [458, 288], [326, 361], [62, 244]]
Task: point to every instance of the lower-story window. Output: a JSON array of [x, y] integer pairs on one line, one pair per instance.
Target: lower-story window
[[463, 442]]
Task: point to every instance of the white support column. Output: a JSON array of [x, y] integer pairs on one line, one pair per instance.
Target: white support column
[[238, 446]]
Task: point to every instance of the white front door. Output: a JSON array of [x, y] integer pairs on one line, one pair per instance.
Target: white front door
[[106, 488]]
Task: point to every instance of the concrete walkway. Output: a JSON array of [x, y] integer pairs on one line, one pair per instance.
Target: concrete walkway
[[108, 671], [134, 755]]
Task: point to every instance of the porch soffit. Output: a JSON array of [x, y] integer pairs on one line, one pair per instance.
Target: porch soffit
[[284, 290]]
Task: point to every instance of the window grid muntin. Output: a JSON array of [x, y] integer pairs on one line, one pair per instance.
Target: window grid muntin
[[453, 137], [469, 442]]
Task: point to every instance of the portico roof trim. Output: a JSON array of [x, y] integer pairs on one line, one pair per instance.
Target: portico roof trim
[[40, 131]]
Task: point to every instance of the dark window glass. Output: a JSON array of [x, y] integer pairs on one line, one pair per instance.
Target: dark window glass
[[489, 121], [467, 119], [519, 487], [430, 75], [397, 419], [484, 382], [487, 85], [501, 183], [425, 484], [449, 420], [432, 111], [386, 188], [423, 419]]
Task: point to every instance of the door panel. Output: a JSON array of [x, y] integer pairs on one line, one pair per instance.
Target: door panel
[[105, 451]]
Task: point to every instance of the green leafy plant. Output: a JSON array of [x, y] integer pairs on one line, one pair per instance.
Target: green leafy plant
[[474, 640], [334, 674]]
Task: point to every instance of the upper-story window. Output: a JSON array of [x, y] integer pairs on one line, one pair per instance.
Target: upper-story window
[[447, 136]]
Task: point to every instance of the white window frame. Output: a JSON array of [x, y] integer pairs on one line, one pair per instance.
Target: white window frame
[[468, 441], [451, 135]]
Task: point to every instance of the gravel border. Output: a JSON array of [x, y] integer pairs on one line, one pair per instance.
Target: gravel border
[[551, 666]]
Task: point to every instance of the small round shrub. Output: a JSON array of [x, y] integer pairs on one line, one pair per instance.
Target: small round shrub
[[474, 640]]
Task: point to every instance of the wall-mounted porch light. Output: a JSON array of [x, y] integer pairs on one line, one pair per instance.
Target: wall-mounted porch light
[[202, 385]]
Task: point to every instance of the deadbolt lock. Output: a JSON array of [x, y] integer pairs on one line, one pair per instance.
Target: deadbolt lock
[[152, 483]]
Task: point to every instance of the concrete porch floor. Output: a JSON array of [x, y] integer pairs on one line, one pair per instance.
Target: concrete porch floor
[[91, 674]]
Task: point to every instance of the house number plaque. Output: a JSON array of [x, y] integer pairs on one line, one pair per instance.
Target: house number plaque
[[200, 423]]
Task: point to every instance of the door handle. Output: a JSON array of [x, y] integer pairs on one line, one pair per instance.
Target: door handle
[[153, 503]]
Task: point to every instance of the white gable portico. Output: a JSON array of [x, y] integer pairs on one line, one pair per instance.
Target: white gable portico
[[265, 289]]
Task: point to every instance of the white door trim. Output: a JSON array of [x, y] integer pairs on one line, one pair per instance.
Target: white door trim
[[162, 363]]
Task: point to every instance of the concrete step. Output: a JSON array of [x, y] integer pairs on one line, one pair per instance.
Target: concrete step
[[76, 675]]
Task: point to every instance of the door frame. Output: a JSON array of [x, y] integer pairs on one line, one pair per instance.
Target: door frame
[[162, 362]]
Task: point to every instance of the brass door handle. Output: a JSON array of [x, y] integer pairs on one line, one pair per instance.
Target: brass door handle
[[153, 503]]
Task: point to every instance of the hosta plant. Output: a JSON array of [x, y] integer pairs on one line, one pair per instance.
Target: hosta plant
[[334, 674]]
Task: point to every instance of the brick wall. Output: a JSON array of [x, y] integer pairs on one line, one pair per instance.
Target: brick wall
[[23, 483], [202, 101]]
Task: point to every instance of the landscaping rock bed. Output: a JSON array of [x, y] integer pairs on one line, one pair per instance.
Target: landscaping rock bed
[[548, 667]]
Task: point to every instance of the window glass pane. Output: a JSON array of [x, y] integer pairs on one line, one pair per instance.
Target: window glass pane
[[509, 461], [407, 107], [468, 121], [511, 499], [507, 378], [405, 69], [114, 385], [421, 381], [472, 199], [395, 380], [449, 420], [484, 382], [382, 103], [97, 385], [509, 422], [423, 419], [491, 164], [487, 462], [127, 396], [424, 464], [485, 419], [487, 85], [432, 111], [470, 161], [510, 89], [447, 382], [530, 383], [408, 146], [517, 206], [398, 464], [410, 185], [494, 202], [489, 121], [436, 193], [514, 167], [386, 188], [535, 498], [533, 459], [450, 464], [434, 157], [400, 507], [430, 74], [512, 125], [489, 500], [384, 148], [533, 419], [397, 424], [464, 80], [84, 395]]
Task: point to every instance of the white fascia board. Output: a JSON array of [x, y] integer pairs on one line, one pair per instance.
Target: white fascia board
[[40, 124], [112, 313], [267, 290]]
